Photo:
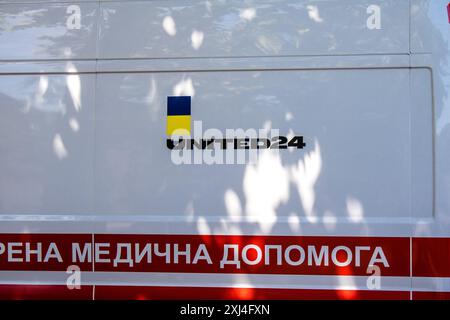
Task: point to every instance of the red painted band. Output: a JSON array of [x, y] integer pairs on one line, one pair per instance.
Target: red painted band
[[202, 293], [431, 257], [395, 249], [59, 292], [418, 295], [44, 292]]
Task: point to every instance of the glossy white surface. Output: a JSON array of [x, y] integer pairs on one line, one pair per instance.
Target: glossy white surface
[[169, 29], [82, 123], [46, 144], [134, 173], [295, 37], [30, 31], [432, 32]]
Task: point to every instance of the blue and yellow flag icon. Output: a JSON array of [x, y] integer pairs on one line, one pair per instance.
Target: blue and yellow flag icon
[[179, 115]]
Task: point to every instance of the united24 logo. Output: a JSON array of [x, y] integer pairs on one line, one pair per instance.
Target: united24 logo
[[179, 126]]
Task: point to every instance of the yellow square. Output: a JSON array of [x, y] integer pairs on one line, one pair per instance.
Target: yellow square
[[179, 125]]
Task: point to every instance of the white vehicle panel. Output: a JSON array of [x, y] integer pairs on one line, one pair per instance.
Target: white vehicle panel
[[84, 90]]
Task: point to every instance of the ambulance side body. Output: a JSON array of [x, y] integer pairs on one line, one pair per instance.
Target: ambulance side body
[[87, 181]]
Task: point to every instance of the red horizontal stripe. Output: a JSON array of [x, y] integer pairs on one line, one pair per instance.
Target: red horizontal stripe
[[62, 241], [44, 292], [60, 292], [396, 251], [431, 257], [202, 293], [417, 295]]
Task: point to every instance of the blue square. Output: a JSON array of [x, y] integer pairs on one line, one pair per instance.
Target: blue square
[[179, 106]]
